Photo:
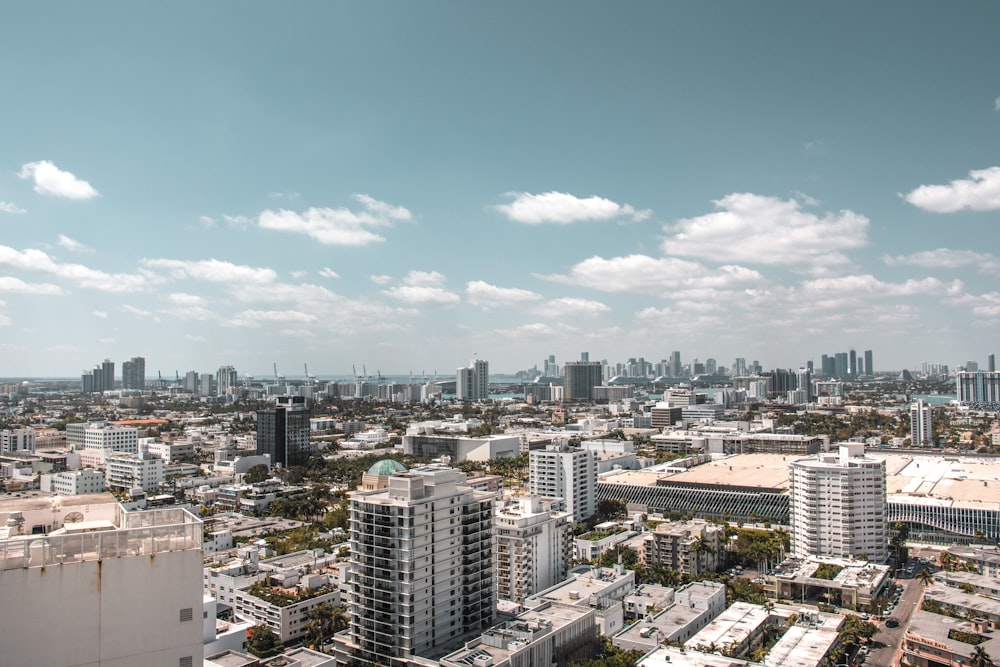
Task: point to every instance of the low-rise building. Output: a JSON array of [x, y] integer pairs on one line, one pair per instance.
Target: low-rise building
[[73, 482], [689, 547]]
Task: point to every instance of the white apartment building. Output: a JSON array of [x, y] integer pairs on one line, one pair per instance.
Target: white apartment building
[[560, 471], [101, 438], [86, 583], [921, 434], [283, 604], [420, 575], [17, 440], [73, 482], [838, 505], [130, 471], [531, 547]]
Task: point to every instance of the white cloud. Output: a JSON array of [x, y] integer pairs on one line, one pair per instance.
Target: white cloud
[[327, 272], [71, 245], [484, 295], [206, 220], [51, 180], [944, 258], [870, 285], [213, 270], [535, 329], [102, 314], [134, 310], [569, 307], [756, 229], [337, 226], [980, 192], [381, 279], [254, 318], [996, 104], [184, 299], [18, 286], [80, 275], [564, 208], [648, 275], [429, 278], [238, 221], [299, 275], [422, 294], [8, 207]]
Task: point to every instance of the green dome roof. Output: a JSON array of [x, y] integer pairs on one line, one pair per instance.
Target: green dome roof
[[386, 467]]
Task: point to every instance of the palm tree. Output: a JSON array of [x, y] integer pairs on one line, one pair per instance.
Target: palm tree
[[319, 623], [980, 658], [925, 576]]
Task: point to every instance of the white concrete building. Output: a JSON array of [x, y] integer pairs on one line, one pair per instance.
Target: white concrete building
[[921, 433], [560, 471], [421, 572], [131, 471], [101, 438], [17, 440], [531, 547], [838, 505], [73, 482], [112, 588]]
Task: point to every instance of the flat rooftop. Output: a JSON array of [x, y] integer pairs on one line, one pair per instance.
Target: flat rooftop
[[945, 479]]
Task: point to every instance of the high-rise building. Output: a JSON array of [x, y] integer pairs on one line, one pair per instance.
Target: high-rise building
[[205, 384], [191, 382], [561, 471], [920, 424], [675, 364], [991, 363], [841, 365], [531, 548], [869, 363], [979, 389], [225, 381], [421, 575], [472, 383], [580, 379], [710, 366], [803, 382], [134, 373], [125, 593], [283, 431], [852, 364], [740, 367], [838, 505]]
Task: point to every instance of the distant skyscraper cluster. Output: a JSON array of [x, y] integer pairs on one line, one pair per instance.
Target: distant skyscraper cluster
[[101, 378], [848, 365]]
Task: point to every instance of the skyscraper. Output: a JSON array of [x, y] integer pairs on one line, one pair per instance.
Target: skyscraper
[[869, 363], [283, 431], [979, 389], [134, 373], [852, 364], [225, 382], [421, 575], [920, 424], [838, 505], [560, 471], [991, 363], [675, 364], [580, 379], [472, 383]]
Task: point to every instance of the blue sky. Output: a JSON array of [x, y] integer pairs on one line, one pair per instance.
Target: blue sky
[[407, 185]]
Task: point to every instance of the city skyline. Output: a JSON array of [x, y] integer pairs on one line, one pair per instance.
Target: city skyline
[[414, 186]]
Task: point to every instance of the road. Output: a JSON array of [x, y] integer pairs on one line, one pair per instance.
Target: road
[[887, 641]]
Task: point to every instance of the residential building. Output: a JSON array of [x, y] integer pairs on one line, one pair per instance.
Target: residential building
[[838, 505], [17, 440], [134, 373], [134, 471], [472, 383], [73, 482], [531, 546], [561, 471], [421, 574], [580, 378], [979, 389], [225, 381], [283, 432], [689, 547], [129, 594], [921, 434], [100, 439]]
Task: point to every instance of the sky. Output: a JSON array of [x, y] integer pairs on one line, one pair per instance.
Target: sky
[[408, 186]]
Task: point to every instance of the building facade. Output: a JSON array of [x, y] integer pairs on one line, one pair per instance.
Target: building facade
[[560, 471], [531, 549], [580, 378], [979, 389], [421, 575], [134, 373], [283, 432], [921, 434], [472, 383], [838, 505]]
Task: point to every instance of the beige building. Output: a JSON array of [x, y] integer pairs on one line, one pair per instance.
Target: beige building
[[690, 547]]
